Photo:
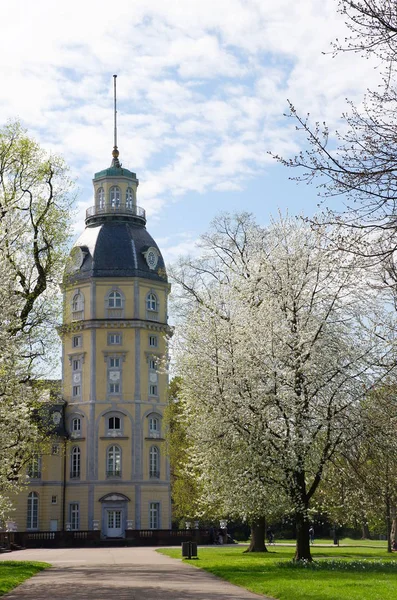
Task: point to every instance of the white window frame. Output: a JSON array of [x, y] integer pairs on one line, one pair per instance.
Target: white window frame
[[115, 196], [54, 499], [75, 426], [153, 390], [115, 299], [114, 304], [32, 516], [34, 467], [113, 461], [152, 302], [77, 305], [154, 462], [154, 515], [154, 427], [129, 198], [101, 198], [113, 430], [153, 341], [74, 516], [115, 339], [77, 341], [75, 462]]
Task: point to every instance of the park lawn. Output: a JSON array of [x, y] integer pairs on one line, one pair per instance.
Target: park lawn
[[13, 572], [261, 572]]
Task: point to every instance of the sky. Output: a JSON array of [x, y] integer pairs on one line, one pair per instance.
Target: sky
[[202, 91]]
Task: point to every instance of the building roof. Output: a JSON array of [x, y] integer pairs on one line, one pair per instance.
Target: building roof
[[115, 249]]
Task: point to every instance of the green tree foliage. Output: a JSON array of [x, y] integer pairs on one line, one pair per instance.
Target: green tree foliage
[[35, 207], [184, 478], [360, 486]]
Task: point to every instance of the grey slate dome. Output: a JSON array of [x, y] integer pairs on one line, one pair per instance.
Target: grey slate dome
[[115, 249]]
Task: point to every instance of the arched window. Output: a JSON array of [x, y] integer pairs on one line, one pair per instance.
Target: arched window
[[115, 197], [154, 427], [115, 300], [151, 302], [76, 426], [113, 462], [114, 304], [75, 463], [100, 198], [32, 521], [154, 462], [77, 302], [129, 198], [78, 306]]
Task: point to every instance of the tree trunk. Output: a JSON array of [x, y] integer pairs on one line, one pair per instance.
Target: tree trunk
[[302, 551], [258, 533], [388, 528], [393, 531], [365, 534]]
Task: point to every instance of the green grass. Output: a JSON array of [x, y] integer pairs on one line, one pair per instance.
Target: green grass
[[13, 572], [358, 572]]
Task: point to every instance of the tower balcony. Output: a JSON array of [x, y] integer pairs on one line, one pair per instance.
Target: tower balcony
[[96, 214]]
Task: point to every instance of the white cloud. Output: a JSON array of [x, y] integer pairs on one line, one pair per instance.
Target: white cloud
[[202, 84]]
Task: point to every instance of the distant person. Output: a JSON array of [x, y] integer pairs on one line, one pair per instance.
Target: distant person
[[311, 534], [270, 536], [394, 546]]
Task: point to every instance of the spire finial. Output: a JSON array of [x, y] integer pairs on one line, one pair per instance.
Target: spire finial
[[115, 153]]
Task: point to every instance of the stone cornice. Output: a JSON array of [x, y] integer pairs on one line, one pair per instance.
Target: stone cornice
[[113, 324]]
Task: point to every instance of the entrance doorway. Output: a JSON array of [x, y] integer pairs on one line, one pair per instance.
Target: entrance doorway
[[54, 525], [114, 528]]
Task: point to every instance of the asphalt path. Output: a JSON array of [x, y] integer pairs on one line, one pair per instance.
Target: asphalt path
[[119, 574]]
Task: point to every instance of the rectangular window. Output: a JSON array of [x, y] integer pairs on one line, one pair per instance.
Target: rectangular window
[[153, 390], [34, 469], [114, 363], [74, 516], [114, 424], [33, 511], [54, 499], [153, 341], [76, 390], [152, 364], [114, 339], [114, 388], [154, 515], [55, 449], [76, 364], [77, 341]]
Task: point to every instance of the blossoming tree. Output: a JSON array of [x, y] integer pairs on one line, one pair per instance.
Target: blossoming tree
[[279, 344]]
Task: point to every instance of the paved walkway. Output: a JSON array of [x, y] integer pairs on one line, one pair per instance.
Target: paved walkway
[[119, 573]]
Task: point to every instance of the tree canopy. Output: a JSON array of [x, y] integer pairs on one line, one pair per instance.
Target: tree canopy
[[36, 195], [279, 347]]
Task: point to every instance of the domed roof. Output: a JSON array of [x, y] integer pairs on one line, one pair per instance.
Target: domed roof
[[115, 249]]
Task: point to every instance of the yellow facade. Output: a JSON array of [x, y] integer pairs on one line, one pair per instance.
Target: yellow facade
[[111, 471]]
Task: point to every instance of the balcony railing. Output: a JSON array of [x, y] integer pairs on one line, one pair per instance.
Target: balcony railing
[[122, 210], [115, 473]]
